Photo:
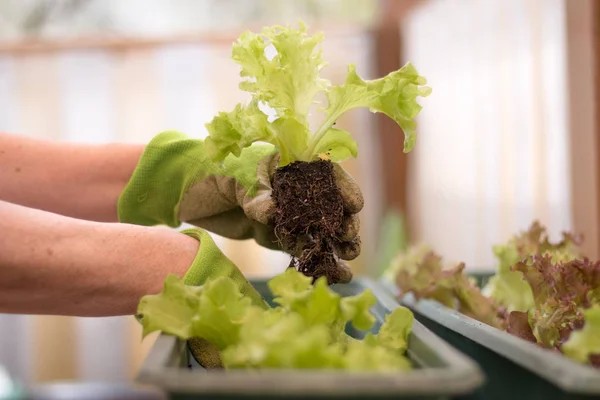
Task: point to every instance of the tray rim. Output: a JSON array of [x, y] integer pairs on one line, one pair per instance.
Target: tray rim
[[557, 369], [460, 374]]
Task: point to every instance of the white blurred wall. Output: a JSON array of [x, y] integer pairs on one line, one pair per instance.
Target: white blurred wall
[[493, 152]]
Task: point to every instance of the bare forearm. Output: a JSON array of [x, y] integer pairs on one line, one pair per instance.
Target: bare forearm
[[76, 180], [50, 264]]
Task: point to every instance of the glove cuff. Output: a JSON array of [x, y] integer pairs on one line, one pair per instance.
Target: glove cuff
[[168, 166], [210, 263]]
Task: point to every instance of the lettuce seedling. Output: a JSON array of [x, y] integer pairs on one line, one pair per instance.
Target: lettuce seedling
[[308, 219], [507, 287], [305, 330], [289, 82], [420, 271], [544, 292]]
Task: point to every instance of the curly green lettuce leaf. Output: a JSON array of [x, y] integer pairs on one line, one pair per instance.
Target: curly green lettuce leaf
[[289, 82], [338, 145], [395, 330], [292, 137], [394, 95], [584, 345], [384, 350], [289, 287], [317, 304], [214, 311], [364, 356], [507, 287], [406, 259], [289, 342], [510, 290], [223, 310], [230, 132], [283, 341], [171, 311], [356, 309], [305, 331]]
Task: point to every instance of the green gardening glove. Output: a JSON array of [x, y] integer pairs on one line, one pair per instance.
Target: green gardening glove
[[176, 182], [209, 264]]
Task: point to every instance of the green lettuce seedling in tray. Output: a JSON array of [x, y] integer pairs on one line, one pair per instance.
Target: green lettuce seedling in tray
[[306, 330]]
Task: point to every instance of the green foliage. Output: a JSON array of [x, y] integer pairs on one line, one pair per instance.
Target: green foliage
[[289, 82], [305, 330]]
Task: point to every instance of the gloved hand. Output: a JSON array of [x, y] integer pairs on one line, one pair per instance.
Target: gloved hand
[[210, 263], [175, 182]]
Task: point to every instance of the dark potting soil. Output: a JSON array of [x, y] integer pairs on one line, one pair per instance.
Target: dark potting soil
[[309, 217]]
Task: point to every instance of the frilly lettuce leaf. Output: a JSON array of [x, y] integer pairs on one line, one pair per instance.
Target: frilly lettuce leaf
[[421, 272], [418, 273], [317, 304], [283, 341], [288, 287], [395, 330], [223, 312], [338, 145], [306, 330], [406, 260], [584, 345], [230, 132], [394, 95], [507, 287], [215, 312], [471, 301], [275, 343], [355, 309], [553, 293], [367, 356], [566, 313], [560, 291], [289, 83], [380, 352], [172, 311]]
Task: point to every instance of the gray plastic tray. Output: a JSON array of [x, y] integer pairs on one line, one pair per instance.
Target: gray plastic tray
[[440, 371], [514, 368]]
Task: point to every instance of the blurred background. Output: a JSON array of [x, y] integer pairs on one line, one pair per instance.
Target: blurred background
[[508, 135]]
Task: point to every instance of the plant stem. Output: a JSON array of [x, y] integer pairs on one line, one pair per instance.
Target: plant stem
[[316, 138]]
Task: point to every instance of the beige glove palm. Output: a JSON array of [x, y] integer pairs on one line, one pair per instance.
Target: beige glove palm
[[175, 182]]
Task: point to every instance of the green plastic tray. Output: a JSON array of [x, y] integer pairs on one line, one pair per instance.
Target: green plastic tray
[[514, 368], [440, 371]]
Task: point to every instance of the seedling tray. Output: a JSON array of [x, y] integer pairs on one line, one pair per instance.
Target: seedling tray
[[440, 371], [513, 367]]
